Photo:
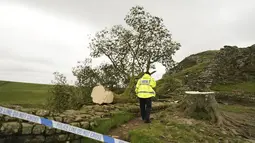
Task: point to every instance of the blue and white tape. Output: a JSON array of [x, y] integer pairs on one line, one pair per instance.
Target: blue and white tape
[[58, 125]]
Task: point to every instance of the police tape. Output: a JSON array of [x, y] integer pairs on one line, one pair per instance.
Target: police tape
[[58, 125]]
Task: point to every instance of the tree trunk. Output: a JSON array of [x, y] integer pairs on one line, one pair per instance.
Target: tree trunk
[[201, 106], [130, 87]]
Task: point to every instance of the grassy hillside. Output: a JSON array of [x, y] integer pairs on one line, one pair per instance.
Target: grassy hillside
[[230, 69], [23, 93], [191, 66], [194, 64]]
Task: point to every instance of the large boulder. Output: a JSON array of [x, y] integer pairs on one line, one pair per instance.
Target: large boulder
[[100, 95]]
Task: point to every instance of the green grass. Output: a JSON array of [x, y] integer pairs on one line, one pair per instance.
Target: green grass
[[23, 93], [208, 55], [147, 134], [174, 131], [196, 69], [167, 127], [238, 109], [170, 132], [198, 58], [244, 86], [104, 125]]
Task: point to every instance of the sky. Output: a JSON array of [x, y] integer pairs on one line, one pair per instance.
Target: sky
[[39, 37]]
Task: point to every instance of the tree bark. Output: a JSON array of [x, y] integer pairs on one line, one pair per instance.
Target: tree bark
[[201, 106], [206, 107], [130, 87]]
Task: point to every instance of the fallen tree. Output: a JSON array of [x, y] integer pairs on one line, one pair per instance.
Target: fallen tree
[[137, 48], [100, 95]]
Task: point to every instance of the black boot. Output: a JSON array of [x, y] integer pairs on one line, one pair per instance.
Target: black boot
[[147, 121], [147, 118]]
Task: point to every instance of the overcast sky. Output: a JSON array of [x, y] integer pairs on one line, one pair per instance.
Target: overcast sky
[[38, 37]]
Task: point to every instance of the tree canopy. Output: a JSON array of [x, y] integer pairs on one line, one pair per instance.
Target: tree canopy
[[137, 47], [105, 74], [131, 49]]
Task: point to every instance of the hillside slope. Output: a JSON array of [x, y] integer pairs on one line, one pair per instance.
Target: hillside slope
[[228, 69], [23, 93]]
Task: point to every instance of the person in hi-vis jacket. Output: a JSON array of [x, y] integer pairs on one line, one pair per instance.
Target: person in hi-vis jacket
[[144, 91]]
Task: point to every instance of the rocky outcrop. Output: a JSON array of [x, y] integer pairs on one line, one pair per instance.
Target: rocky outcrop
[[203, 81], [233, 64], [226, 66], [214, 70], [15, 130], [193, 60]]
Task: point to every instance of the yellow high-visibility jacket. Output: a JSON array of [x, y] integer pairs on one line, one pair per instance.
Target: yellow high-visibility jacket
[[144, 87]]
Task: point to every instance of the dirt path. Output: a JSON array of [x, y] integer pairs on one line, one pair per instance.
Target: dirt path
[[121, 132]]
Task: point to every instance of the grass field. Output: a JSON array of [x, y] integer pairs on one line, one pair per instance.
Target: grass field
[[23, 93], [245, 86], [34, 95]]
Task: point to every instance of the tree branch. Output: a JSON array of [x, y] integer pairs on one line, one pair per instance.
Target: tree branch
[[115, 66], [149, 62], [153, 72], [134, 53]]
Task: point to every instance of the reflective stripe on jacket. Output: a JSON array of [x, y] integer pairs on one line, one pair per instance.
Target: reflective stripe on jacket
[[144, 87]]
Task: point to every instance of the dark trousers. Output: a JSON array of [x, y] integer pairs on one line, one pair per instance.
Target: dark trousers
[[145, 108]]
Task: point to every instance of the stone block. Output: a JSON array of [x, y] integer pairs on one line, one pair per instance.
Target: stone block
[[9, 119], [49, 131], [58, 131], [38, 129], [29, 110], [1, 118], [71, 137], [99, 113], [63, 137], [39, 139], [76, 124], [77, 137], [68, 119], [50, 139], [78, 119], [42, 113], [59, 119], [84, 125], [10, 128], [26, 128]]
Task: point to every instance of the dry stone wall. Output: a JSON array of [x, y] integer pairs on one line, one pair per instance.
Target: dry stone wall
[[20, 131], [236, 97]]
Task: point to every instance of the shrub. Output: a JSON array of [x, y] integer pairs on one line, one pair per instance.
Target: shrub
[[64, 96], [167, 85]]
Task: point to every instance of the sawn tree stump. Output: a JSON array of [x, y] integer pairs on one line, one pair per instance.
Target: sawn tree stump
[[201, 105]]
